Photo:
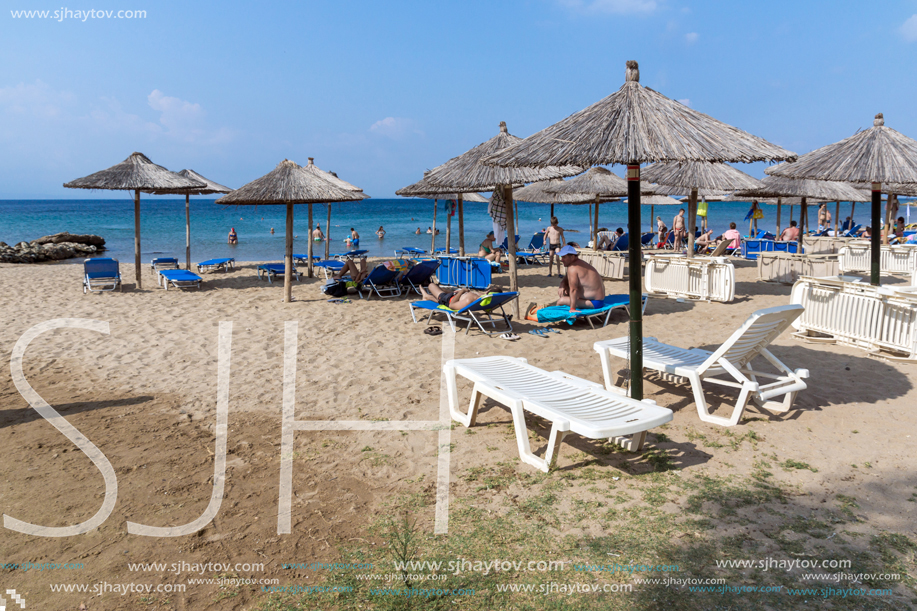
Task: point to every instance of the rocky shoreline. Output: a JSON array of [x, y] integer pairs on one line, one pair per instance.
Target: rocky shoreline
[[52, 248]]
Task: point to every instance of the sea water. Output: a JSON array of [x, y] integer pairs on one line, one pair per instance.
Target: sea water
[[162, 224]]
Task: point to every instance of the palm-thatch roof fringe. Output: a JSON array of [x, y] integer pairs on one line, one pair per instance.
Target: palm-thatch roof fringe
[[658, 200], [289, 183], [209, 189], [423, 188], [637, 125], [136, 172], [779, 186], [707, 194], [597, 181], [878, 154], [467, 172], [699, 175], [537, 193]]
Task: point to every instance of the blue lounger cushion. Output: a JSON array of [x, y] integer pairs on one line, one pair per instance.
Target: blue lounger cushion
[[562, 313], [179, 278]]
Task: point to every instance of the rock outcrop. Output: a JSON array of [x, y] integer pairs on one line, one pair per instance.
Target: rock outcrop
[[52, 248]]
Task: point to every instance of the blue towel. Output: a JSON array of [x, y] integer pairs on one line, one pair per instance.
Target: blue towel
[[559, 313]]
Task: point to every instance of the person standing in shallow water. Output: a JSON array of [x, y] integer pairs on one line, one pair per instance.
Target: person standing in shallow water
[[233, 238]]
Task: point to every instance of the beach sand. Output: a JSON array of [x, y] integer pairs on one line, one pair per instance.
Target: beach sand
[[146, 394]]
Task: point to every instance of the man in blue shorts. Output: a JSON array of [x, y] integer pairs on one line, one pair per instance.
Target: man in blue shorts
[[582, 287]]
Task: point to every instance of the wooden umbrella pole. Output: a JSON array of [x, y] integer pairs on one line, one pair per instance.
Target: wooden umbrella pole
[[778, 234], [461, 221], [853, 208], [511, 246], [595, 225], [652, 218], [309, 240], [692, 220], [802, 213], [635, 280], [328, 234], [433, 236], [516, 208], [837, 213], [137, 237], [449, 230], [886, 228], [875, 244], [552, 214], [187, 232], [288, 258], [791, 215]]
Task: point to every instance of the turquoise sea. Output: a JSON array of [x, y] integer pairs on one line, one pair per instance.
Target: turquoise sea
[[162, 224]]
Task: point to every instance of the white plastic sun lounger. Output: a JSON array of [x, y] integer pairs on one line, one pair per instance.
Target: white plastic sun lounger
[[571, 404], [732, 359]]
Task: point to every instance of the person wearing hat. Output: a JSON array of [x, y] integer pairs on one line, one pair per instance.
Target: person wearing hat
[[488, 250], [582, 287]]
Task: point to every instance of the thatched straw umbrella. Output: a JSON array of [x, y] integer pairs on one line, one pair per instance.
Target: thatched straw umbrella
[[289, 184], [695, 176], [136, 173], [210, 188], [337, 182], [876, 155], [778, 186], [597, 183], [466, 172], [424, 189], [632, 126]]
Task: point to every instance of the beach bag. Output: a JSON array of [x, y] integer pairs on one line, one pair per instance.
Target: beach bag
[[335, 288], [702, 209]]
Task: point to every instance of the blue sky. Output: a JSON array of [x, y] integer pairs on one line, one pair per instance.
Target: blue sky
[[381, 91]]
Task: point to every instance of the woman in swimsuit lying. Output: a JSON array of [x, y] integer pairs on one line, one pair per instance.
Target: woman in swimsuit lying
[[454, 300]]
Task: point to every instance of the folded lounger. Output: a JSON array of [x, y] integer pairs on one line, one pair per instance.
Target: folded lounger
[[732, 358], [418, 276], [179, 278], [212, 265], [272, 270], [571, 404], [603, 314], [477, 312], [381, 280], [163, 263], [101, 274]]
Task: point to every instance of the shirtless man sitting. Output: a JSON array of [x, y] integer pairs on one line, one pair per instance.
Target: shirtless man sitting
[[582, 287], [454, 300]]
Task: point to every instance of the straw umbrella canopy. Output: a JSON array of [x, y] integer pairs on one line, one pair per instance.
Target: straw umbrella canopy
[[467, 172], [696, 176], [339, 183], [426, 190], [289, 184], [779, 186], [209, 189], [876, 155], [632, 126], [136, 173], [598, 182], [539, 193]]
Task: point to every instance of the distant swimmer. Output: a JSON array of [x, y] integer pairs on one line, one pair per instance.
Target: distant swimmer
[[272, 231], [418, 232]]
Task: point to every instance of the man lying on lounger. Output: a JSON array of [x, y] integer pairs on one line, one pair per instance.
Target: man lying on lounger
[[582, 287], [454, 300]]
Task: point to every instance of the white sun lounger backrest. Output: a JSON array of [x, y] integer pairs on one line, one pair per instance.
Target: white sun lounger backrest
[[761, 328], [892, 260]]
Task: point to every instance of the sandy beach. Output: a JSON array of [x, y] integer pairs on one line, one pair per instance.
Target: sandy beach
[[146, 396]]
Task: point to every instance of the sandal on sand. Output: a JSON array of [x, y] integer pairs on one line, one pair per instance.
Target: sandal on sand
[[538, 332], [509, 336], [550, 330], [433, 331]]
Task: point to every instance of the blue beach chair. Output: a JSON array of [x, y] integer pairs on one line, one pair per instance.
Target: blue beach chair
[[418, 276], [101, 274], [439, 251], [622, 244], [329, 268], [179, 278], [304, 259], [272, 270], [603, 314], [480, 312], [212, 265], [350, 254], [536, 252], [163, 263], [381, 280], [410, 251], [646, 239]]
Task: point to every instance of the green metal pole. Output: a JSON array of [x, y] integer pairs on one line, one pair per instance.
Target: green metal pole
[[877, 230], [635, 273]]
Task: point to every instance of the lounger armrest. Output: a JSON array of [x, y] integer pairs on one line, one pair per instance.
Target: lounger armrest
[[802, 373]]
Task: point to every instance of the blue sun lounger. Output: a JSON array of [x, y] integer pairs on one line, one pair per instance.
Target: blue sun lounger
[[101, 274], [535, 252], [272, 270], [213, 265], [163, 263], [304, 259], [603, 314], [179, 278], [409, 250], [381, 280], [478, 312], [350, 254], [452, 251], [418, 275], [329, 267]]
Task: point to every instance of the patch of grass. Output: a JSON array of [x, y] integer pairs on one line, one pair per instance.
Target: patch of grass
[[795, 464], [847, 504]]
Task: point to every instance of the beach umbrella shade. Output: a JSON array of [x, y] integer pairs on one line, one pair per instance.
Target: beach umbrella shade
[[136, 173], [341, 184], [779, 186], [632, 126], [697, 176], [597, 182], [467, 172], [210, 188], [424, 189], [289, 184], [876, 155]]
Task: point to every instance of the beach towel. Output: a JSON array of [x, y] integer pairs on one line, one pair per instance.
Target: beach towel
[[562, 313]]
